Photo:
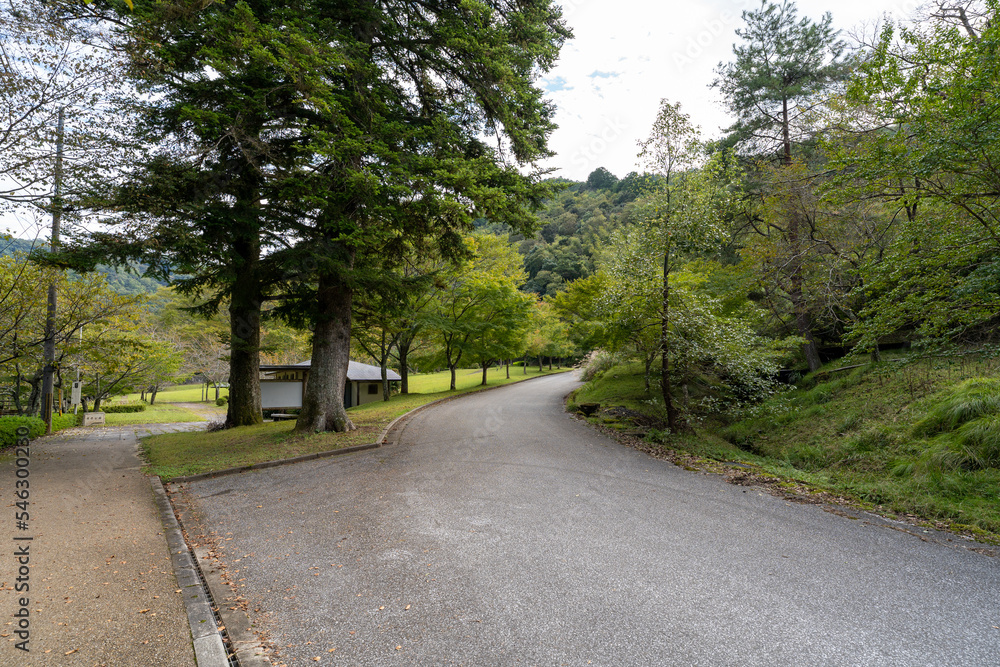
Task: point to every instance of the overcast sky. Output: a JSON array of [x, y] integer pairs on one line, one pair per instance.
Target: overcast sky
[[627, 55]]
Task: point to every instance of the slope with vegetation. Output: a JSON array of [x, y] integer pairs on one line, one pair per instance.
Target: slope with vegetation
[[912, 435]]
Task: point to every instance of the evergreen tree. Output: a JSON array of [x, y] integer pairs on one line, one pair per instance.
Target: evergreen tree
[[783, 66]]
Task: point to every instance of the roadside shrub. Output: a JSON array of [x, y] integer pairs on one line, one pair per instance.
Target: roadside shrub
[[67, 420], [123, 408], [9, 426], [596, 363], [974, 446], [980, 441], [222, 400]]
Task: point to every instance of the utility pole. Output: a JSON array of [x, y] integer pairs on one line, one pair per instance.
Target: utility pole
[[50, 315]]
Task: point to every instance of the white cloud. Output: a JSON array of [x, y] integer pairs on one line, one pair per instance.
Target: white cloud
[[626, 56]]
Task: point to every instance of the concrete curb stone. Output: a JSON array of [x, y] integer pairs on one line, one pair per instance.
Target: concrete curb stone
[[210, 650]]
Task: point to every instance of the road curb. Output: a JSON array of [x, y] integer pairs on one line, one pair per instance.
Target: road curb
[[382, 439], [209, 648]]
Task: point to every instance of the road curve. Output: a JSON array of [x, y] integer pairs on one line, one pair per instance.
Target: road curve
[[501, 531]]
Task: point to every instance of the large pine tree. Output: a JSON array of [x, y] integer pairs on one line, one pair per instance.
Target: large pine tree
[[783, 67], [294, 141]]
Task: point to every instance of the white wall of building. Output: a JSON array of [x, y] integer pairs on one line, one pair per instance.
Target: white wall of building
[[280, 395]]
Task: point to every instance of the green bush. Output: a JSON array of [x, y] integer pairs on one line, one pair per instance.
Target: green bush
[[9, 426], [123, 408], [36, 427], [222, 400], [68, 420]]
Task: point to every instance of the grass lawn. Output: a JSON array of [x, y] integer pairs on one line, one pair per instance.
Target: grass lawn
[[160, 413], [183, 393], [179, 454]]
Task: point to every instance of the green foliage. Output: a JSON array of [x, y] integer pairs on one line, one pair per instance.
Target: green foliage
[[574, 225], [968, 401], [36, 427], [222, 400], [123, 408], [477, 313], [781, 65], [601, 179], [128, 281], [920, 129], [9, 426]]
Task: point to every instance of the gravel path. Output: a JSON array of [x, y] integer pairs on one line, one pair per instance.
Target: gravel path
[[102, 589]]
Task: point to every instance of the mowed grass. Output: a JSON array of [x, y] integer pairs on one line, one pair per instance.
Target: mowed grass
[[180, 454], [183, 393], [160, 413]]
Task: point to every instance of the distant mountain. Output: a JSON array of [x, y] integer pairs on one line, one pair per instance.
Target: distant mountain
[[123, 282]]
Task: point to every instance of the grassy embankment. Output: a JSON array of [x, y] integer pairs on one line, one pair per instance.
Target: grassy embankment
[[178, 454], [918, 437]]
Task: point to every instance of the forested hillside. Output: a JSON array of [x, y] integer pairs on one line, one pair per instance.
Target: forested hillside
[[120, 281], [573, 228]]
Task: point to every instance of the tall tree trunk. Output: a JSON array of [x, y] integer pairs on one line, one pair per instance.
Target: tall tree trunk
[[524, 365], [152, 395], [674, 420], [34, 397], [244, 329], [385, 351], [803, 323], [648, 358], [451, 367], [508, 368], [17, 389], [323, 403], [485, 366], [540, 369], [98, 395], [404, 372]]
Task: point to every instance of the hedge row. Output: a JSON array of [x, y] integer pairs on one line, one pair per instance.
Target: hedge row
[[36, 427], [124, 407]]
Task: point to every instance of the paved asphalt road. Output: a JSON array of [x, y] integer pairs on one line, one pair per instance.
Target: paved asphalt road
[[503, 532]]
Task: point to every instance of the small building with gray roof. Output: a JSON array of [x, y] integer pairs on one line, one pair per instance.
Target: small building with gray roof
[[282, 386]]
